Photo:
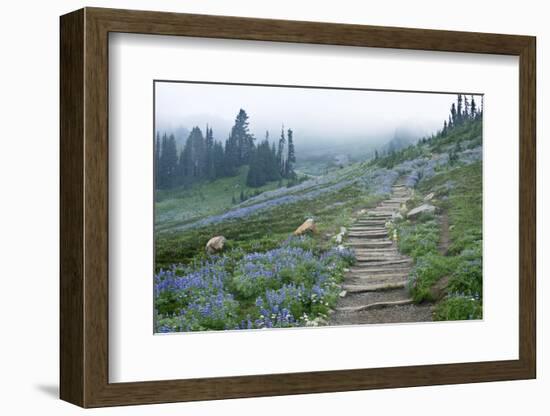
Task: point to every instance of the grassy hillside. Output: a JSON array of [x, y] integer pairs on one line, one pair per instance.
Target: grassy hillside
[[266, 278], [447, 246], [181, 205]]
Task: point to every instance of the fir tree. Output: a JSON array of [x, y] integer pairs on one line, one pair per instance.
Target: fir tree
[[291, 156], [454, 117], [459, 109], [168, 162], [157, 160], [281, 152], [193, 157], [241, 138], [209, 156], [473, 108]]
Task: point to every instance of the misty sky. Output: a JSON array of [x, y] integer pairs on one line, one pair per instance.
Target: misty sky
[[313, 114]]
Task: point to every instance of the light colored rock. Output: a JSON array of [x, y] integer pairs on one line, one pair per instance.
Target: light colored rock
[[343, 293], [215, 244], [429, 197], [340, 236], [307, 226], [397, 216], [424, 208]]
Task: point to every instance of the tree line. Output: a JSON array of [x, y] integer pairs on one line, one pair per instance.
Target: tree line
[[205, 158], [461, 112]]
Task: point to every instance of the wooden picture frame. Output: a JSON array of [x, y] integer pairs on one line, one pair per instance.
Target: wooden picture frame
[[84, 207]]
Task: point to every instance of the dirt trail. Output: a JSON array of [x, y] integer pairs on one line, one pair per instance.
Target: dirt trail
[[375, 287]]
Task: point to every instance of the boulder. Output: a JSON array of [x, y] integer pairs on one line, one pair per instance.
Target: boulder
[[429, 197], [340, 236], [215, 244], [396, 216], [307, 226], [424, 208]]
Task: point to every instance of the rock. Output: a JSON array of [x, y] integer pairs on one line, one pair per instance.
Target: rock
[[215, 244], [340, 236], [307, 226], [424, 208], [397, 216], [343, 293], [429, 197]]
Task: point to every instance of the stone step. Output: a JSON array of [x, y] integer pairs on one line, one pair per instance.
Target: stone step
[[363, 235], [378, 249], [368, 223], [366, 270], [361, 258], [369, 244], [380, 215], [371, 229], [383, 262], [374, 280], [375, 287], [375, 305], [381, 253]]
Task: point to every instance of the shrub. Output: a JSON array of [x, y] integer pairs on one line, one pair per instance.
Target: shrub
[[426, 272], [459, 308]]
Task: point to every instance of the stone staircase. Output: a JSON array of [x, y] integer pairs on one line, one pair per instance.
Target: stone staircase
[[374, 289]]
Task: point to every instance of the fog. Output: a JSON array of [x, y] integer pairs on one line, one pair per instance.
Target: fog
[[317, 116]]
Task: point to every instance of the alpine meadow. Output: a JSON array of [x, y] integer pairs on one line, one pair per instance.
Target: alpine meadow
[[287, 206]]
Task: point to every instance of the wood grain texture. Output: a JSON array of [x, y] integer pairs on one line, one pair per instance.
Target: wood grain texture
[[71, 213], [84, 207]]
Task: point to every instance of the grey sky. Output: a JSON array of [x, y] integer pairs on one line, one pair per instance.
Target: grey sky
[[313, 114]]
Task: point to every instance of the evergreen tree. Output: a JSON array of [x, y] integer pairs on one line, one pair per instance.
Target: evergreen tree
[[459, 109], [444, 131], [291, 156], [193, 157], [473, 108], [157, 160], [218, 160], [209, 156], [263, 166], [242, 139], [281, 152], [454, 117], [168, 162], [466, 109]]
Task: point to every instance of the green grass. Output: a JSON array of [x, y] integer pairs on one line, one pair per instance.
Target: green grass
[[265, 230], [458, 191], [178, 206]]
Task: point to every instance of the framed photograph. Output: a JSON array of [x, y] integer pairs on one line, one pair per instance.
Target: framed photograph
[[255, 207]]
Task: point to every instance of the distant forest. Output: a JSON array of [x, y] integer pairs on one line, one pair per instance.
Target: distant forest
[[204, 158]]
